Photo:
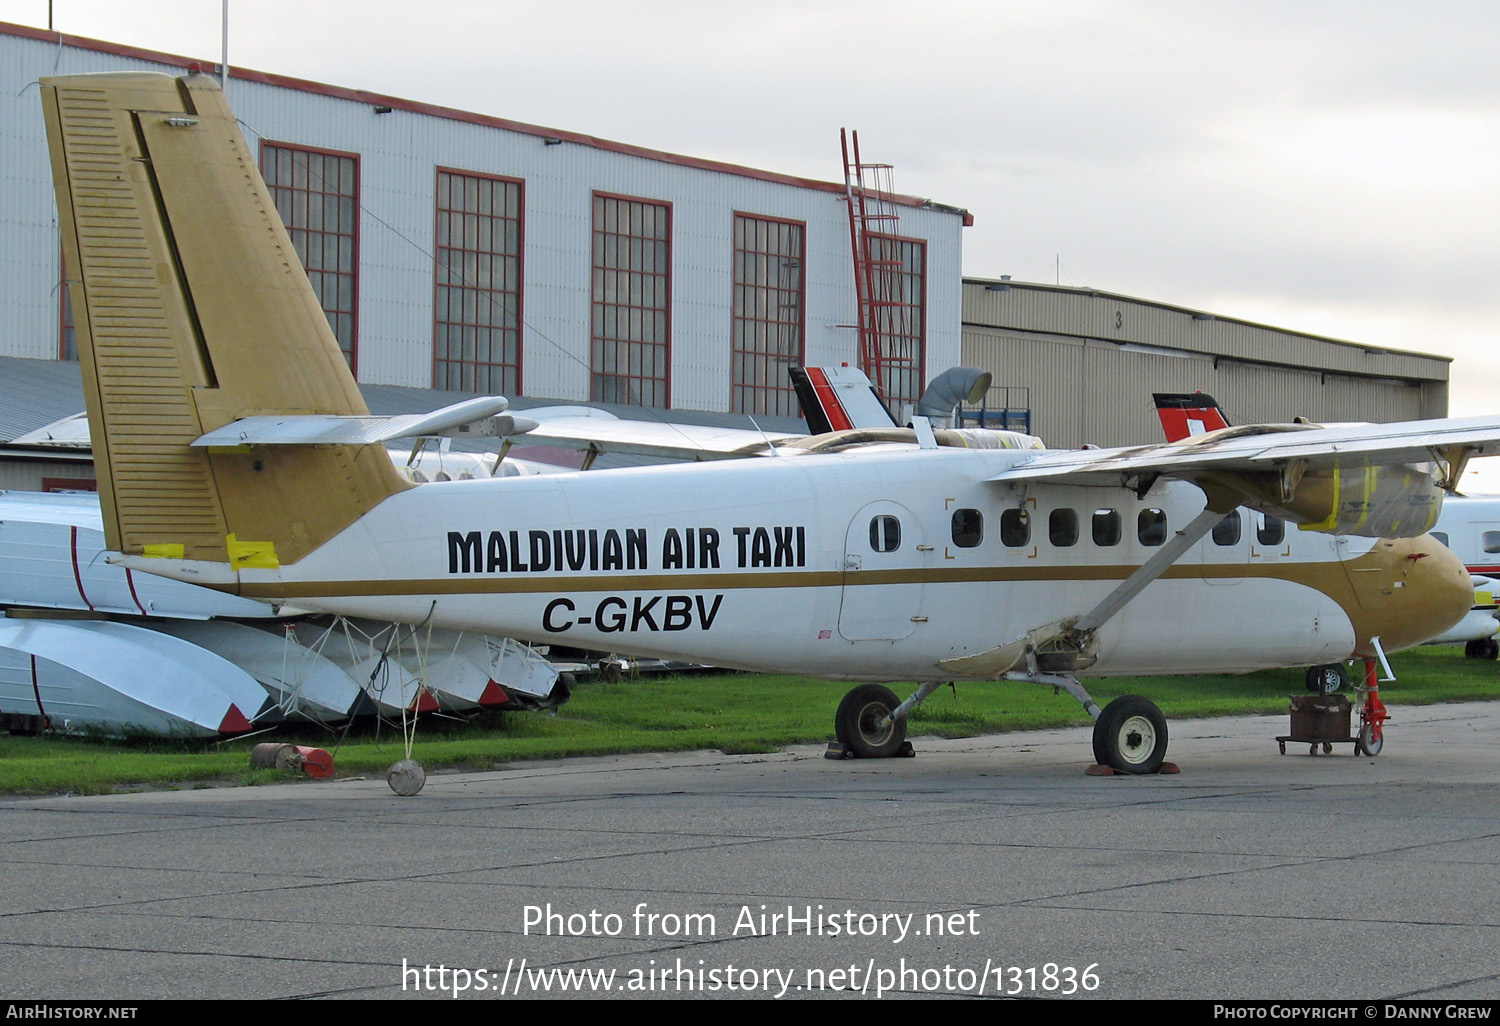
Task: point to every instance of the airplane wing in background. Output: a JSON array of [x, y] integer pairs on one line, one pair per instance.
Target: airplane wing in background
[[594, 431], [1349, 479]]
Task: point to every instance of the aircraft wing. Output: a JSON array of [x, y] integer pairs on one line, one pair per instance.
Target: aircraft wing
[[585, 430], [1262, 449], [1355, 479]]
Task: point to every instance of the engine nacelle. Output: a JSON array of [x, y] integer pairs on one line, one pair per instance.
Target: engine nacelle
[[1399, 501]]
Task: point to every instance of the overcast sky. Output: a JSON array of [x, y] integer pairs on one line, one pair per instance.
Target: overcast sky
[[1325, 166]]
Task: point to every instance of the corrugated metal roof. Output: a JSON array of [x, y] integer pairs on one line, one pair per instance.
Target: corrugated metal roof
[[1114, 318], [36, 392], [378, 100]]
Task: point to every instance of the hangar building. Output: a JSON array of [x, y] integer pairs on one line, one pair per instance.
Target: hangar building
[[460, 251], [1079, 365]]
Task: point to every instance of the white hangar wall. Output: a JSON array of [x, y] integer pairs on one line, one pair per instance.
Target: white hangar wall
[[1085, 362], [399, 154]]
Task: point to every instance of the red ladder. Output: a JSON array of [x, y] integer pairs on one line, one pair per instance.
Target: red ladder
[[883, 312]]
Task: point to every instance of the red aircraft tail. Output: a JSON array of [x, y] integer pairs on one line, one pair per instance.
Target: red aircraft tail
[[837, 399], [1188, 413]]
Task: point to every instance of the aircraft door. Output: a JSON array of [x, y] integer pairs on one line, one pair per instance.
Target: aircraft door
[[884, 552]]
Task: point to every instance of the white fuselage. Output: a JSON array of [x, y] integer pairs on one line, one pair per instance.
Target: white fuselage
[[847, 565], [1470, 526]]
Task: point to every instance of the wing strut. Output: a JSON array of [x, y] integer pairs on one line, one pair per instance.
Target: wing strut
[[1065, 646], [1148, 571]]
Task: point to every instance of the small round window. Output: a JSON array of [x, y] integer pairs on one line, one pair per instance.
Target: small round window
[[1227, 531], [1106, 527], [1271, 531], [1062, 527], [1151, 526], [1015, 528], [885, 534], [968, 528]]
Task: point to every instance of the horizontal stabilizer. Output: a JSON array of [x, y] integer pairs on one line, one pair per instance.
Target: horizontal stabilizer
[[474, 418]]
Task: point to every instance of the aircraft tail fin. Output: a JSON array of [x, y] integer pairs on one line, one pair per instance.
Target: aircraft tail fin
[[1188, 413], [838, 399], [192, 312]]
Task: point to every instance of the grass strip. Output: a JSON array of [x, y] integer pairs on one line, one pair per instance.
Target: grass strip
[[736, 713]]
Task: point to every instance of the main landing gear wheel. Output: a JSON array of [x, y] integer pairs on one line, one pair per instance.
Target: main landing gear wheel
[[857, 723], [1489, 648], [1327, 679], [1130, 735], [1369, 742]]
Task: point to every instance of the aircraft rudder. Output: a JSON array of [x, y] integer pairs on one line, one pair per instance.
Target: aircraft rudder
[[1183, 414], [192, 311]]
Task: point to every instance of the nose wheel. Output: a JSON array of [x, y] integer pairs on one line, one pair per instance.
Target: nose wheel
[[1327, 679]]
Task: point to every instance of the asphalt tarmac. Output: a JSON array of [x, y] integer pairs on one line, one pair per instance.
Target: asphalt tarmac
[[983, 867]]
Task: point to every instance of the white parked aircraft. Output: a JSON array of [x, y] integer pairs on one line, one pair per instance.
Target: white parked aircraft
[[235, 451], [1470, 526]]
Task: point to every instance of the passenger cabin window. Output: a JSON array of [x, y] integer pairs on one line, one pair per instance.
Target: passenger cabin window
[[1107, 527], [1272, 530], [1441, 536], [1015, 528], [1491, 541], [1062, 527], [968, 528], [885, 534], [1227, 531], [1151, 526]]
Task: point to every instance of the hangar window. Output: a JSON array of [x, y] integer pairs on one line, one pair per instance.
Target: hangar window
[[1062, 527], [898, 281], [767, 325], [885, 534], [1151, 526], [1107, 527], [1491, 541], [1015, 528], [317, 196], [1227, 531], [477, 284], [968, 528], [632, 284], [1272, 530]]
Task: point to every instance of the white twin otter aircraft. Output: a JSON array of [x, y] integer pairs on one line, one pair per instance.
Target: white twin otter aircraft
[[235, 452]]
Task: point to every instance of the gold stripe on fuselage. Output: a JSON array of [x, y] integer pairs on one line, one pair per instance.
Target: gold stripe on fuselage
[[1387, 615], [483, 585]]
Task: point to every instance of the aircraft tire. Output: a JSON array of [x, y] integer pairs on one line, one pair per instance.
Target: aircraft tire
[[855, 723], [1489, 648], [1130, 735], [1327, 679]]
